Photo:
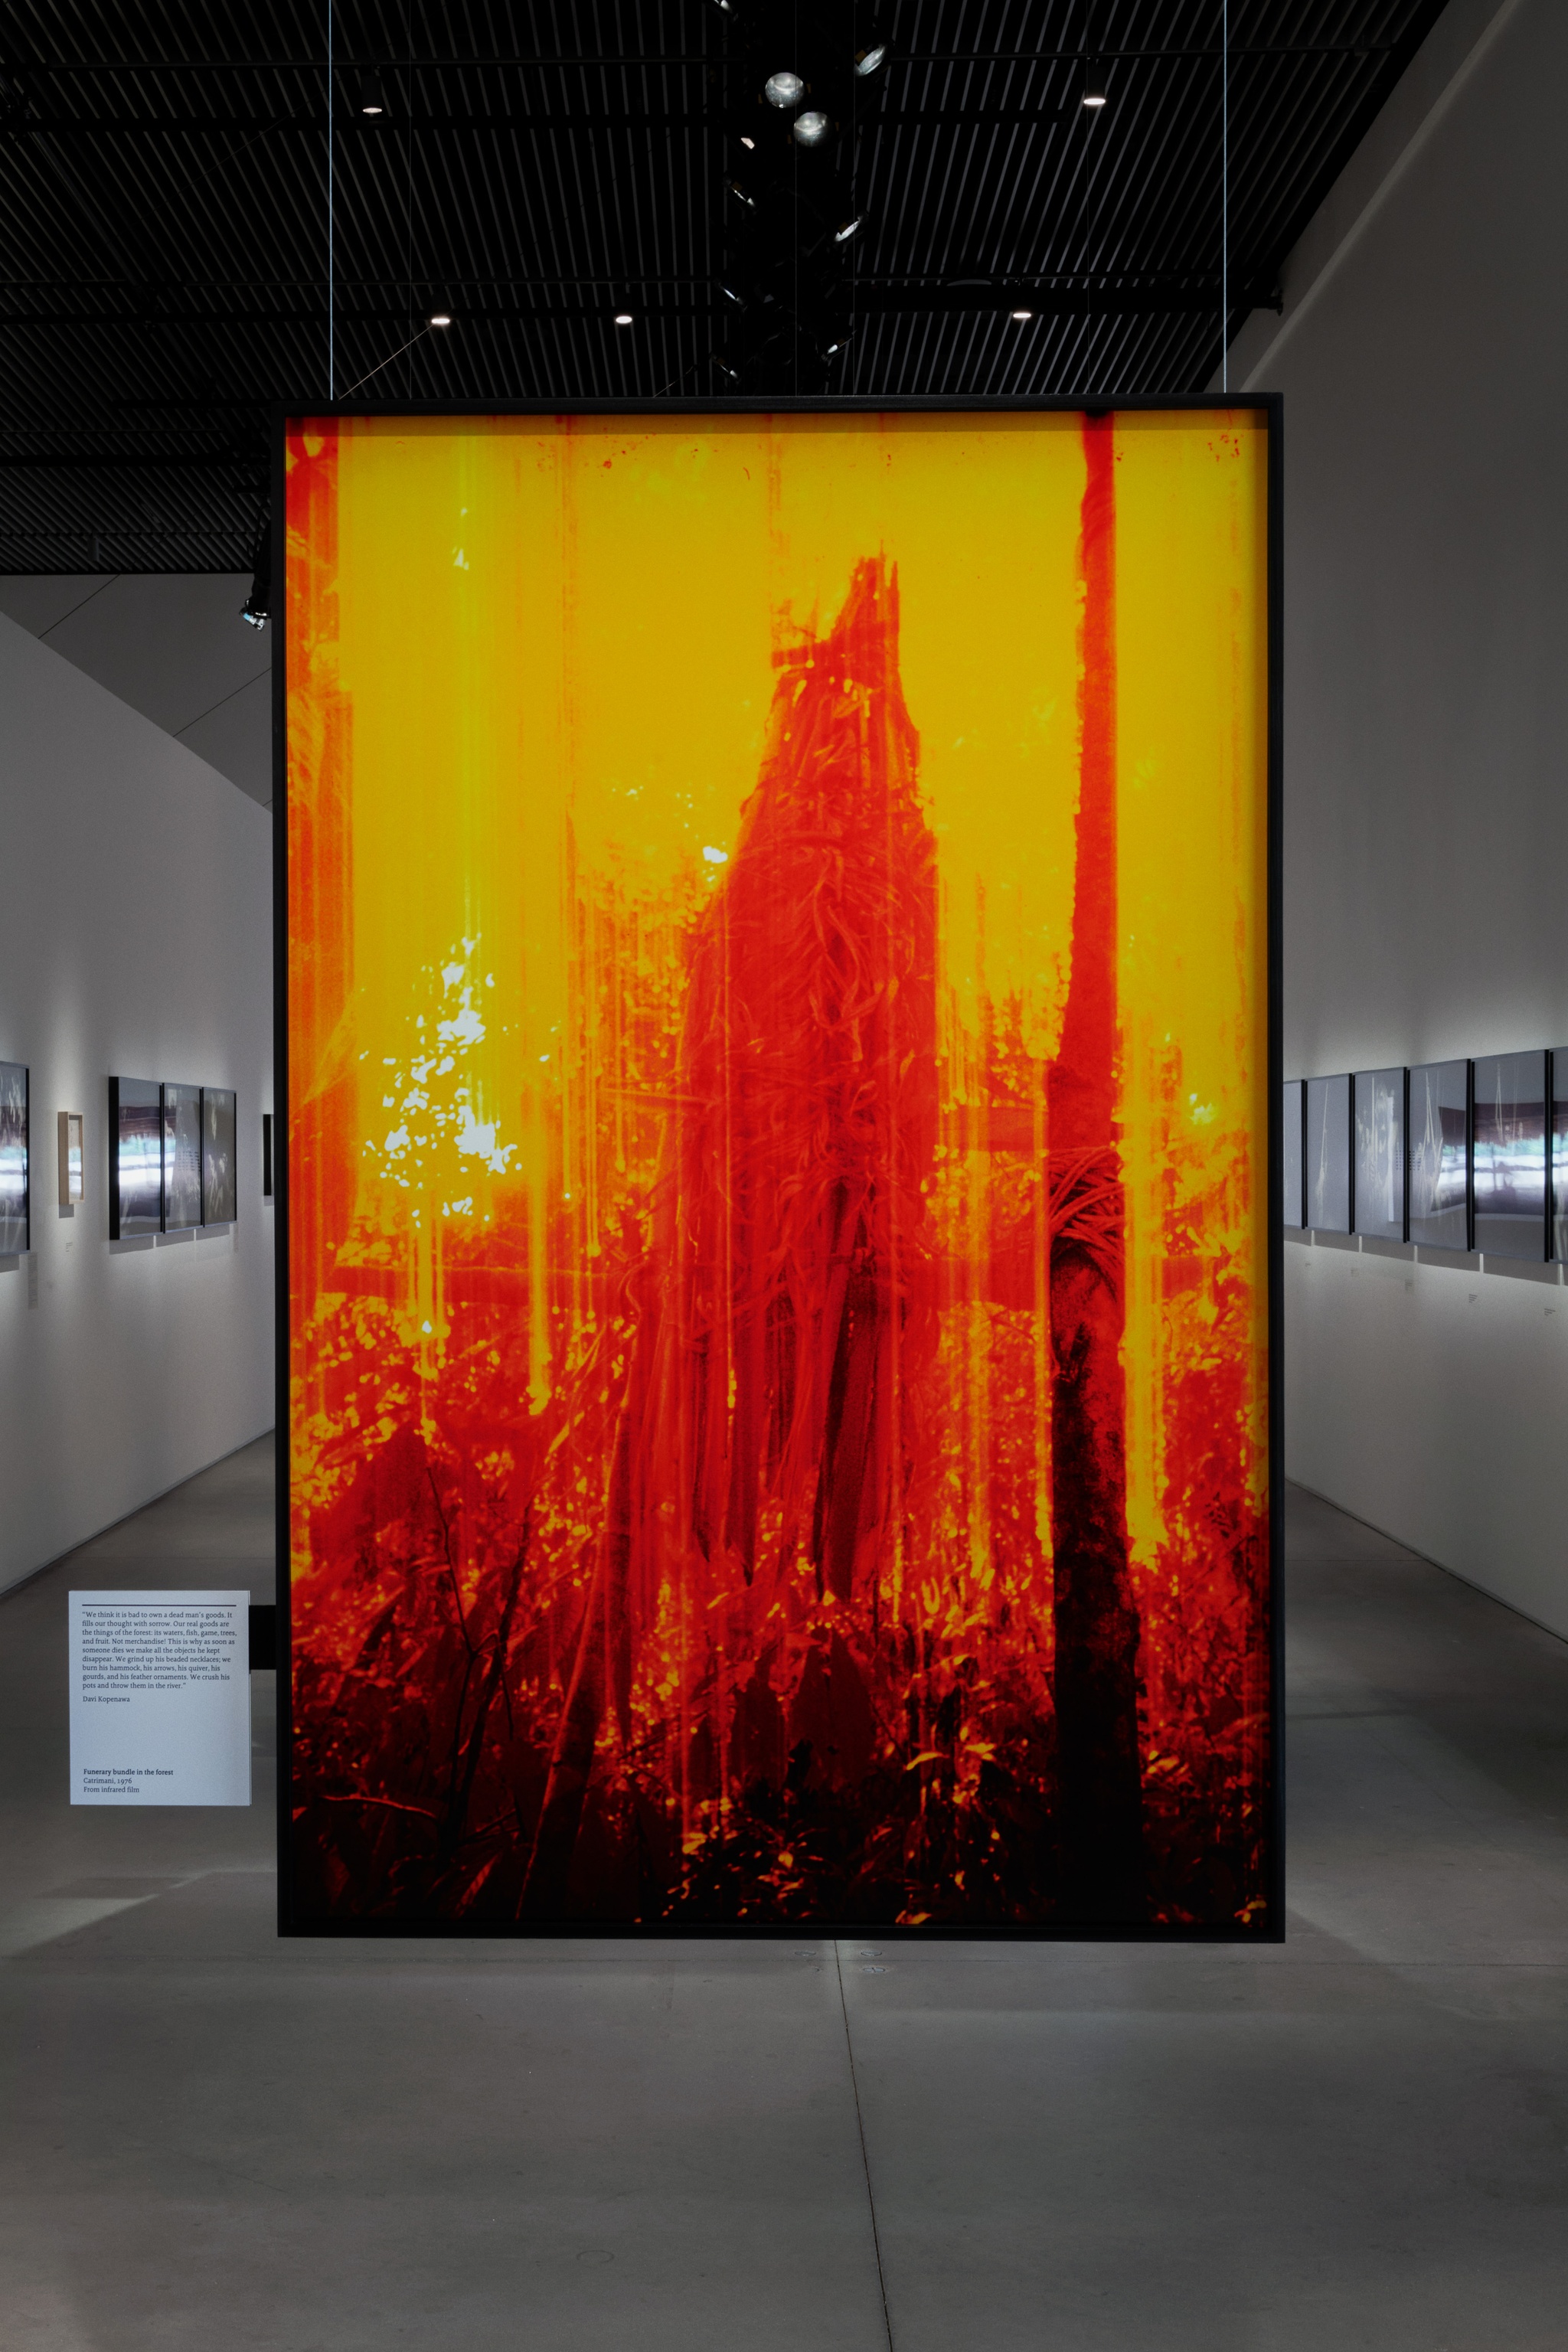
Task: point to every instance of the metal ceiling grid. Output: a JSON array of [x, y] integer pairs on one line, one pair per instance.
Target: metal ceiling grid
[[167, 172]]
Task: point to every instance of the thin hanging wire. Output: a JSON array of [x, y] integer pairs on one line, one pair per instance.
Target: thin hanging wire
[[332, 354]]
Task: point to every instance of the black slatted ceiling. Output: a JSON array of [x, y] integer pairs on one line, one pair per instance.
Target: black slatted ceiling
[[164, 205]]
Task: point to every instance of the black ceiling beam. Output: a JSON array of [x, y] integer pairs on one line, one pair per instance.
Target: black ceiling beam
[[563, 119], [73, 460], [20, 69], [866, 295]]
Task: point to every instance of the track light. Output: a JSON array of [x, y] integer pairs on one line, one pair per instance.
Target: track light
[[868, 59], [846, 229], [748, 144], [738, 193], [370, 98], [730, 295], [1094, 86], [783, 88], [810, 128]]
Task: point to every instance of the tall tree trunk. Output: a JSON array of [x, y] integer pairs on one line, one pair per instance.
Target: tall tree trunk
[[1096, 1624]]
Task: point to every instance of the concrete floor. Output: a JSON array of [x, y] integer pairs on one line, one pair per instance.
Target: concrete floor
[[211, 2142]]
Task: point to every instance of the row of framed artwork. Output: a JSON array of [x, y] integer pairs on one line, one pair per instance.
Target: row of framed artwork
[[171, 1156], [171, 1162], [1462, 1155]]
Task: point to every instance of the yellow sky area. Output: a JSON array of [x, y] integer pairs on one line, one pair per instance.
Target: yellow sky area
[[541, 615], [544, 614]]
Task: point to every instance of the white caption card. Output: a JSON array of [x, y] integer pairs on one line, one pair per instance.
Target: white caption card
[[160, 1698]]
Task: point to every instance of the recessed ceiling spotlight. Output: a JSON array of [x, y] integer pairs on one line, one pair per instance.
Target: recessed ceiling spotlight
[[440, 318], [868, 59], [1020, 315], [623, 318], [846, 229], [784, 88], [810, 128], [738, 193]]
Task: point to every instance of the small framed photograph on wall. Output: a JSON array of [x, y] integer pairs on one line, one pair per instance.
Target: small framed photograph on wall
[[73, 1158], [219, 1202], [1292, 1155], [1328, 1155], [1378, 1101], [1558, 1066], [14, 1167], [181, 1158], [1507, 1155], [136, 1158], [1438, 1120]]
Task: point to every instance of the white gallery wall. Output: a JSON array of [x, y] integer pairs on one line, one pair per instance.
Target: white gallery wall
[[1424, 362], [135, 937]]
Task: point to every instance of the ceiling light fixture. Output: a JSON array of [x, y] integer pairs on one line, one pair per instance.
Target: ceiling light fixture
[[749, 143], [738, 192], [1020, 315], [868, 59], [846, 229], [1094, 86], [623, 318], [810, 128], [370, 98], [784, 88], [440, 318]]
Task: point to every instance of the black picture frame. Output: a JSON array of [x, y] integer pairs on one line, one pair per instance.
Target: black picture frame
[[1270, 1927], [1437, 1154], [1331, 1155], [182, 1126], [267, 1155], [1557, 1072], [15, 1159], [136, 1158], [1380, 1175], [1293, 1156], [1510, 1118], [220, 1165]]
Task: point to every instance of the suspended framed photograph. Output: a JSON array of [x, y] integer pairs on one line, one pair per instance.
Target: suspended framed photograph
[[1439, 1129], [1509, 1120], [15, 1170], [136, 1158], [781, 1204], [1378, 1186], [1328, 1155]]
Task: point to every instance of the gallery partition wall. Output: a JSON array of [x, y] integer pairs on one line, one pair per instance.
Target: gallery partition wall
[[777, 929]]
